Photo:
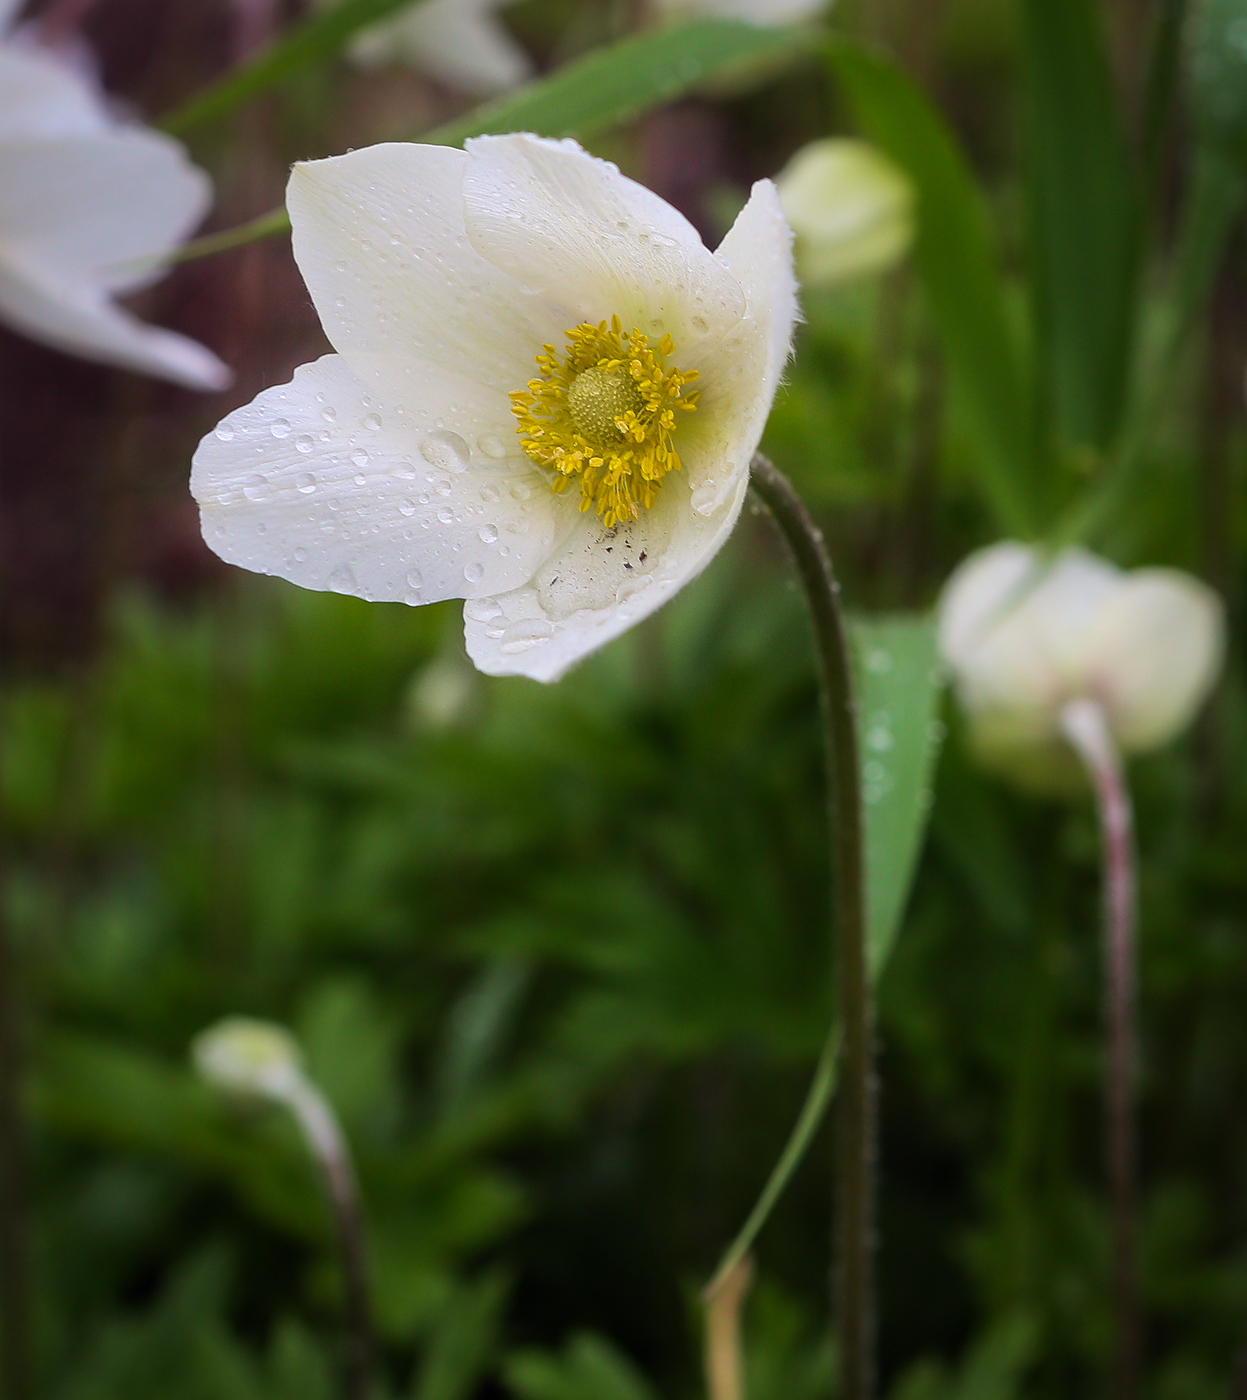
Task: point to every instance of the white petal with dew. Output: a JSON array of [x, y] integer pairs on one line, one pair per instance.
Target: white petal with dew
[[379, 238], [40, 97], [321, 482], [592, 242], [1153, 652], [97, 204], [457, 41], [74, 314], [740, 374], [596, 586]]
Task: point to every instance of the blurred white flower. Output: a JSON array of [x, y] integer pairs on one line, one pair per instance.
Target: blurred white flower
[[85, 202], [1023, 638], [850, 207], [753, 11], [253, 1059], [459, 42], [443, 693], [447, 280]]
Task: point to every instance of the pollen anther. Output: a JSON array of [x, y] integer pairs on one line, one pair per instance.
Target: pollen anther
[[605, 411]]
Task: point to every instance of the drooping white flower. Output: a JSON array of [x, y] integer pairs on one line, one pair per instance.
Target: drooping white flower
[[250, 1058], [753, 11], [510, 320], [851, 209], [88, 206], [1023, 638], [459, 42]]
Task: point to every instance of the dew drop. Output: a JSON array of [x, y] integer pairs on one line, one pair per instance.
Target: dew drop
[[306, 483], [360, 457], [304, 443], [482, 609], [489, 494], [372, 421], [492, 446], [447, 452], [330, 415], [446, 515], [415, 579], [521, 490], [407, 507], [489, 534], [523, 636], [703, 499], [474, 572], [255, 488], [300, 555], [279, 428], [224, 432]]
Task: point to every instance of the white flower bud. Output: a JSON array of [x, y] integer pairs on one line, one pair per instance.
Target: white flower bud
[[851, 208], [251, 1058], [1023, 637]]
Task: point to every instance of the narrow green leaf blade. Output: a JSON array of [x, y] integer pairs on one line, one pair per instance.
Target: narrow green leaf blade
[[957, 264], [321, 34], [898, 688], [1084, 219], [616, 84]]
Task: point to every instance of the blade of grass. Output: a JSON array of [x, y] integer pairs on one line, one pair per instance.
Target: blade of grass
[[957, 264]]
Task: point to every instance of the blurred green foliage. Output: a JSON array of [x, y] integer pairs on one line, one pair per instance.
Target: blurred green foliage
[[558, 957]]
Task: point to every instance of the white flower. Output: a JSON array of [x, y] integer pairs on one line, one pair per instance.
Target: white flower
[[253, 1059], [85, 201], [1024, 638], [851, 208], [446, 280], [458, 41], [753, 11]]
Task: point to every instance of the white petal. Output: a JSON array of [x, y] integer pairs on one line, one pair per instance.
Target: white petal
[[1154, 650], [323, 483], [96, 204], [1014, 631], [41, 97], [600, 583], [74, 314], [592, 242], [457, 41], [740, 374], [379, 238]]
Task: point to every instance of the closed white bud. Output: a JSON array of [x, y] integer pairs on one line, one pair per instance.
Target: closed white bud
[[1023, 636], [851, 208], [251, 1058]]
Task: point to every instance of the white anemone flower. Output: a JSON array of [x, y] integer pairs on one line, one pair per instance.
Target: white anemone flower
[[460, 42], [508, 418], [1024, 638], [249, 1058], [88, 208], [850, 207]]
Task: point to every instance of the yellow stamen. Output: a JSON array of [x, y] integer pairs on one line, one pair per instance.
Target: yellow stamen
[[605, 411]]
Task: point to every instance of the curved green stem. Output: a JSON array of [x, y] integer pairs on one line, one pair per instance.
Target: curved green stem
[[854, 1291]]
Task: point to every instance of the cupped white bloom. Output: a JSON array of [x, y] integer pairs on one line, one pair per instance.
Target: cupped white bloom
[[429, 457], [249, 1058], [1023, 637], [460, 42], [85, 203], [851, 208]]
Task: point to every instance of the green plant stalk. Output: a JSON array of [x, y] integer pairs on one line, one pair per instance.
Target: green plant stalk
[[855, 1144], [1085, 725]]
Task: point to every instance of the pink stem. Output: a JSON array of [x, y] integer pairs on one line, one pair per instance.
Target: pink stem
[[1085, 725]]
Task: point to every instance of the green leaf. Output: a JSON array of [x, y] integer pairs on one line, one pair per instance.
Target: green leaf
[[956, 261], [1218, 78], [617, 83], [1084, 219], [898, 689], [608, 87], [589, 1369], [322, 34]]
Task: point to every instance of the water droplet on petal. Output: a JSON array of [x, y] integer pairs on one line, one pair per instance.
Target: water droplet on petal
[[372, 421], [279, 428], [474, 572], [300, 555], [447, 452], [703, 499], [225, 432], [360, 457], [489, 494], [489, 534], [306, 483], [482, 609], [446, 515], [415, 579], [330, 415], [304, 443], [523, 636], [407, 507], [492, 446], [255, 488]]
